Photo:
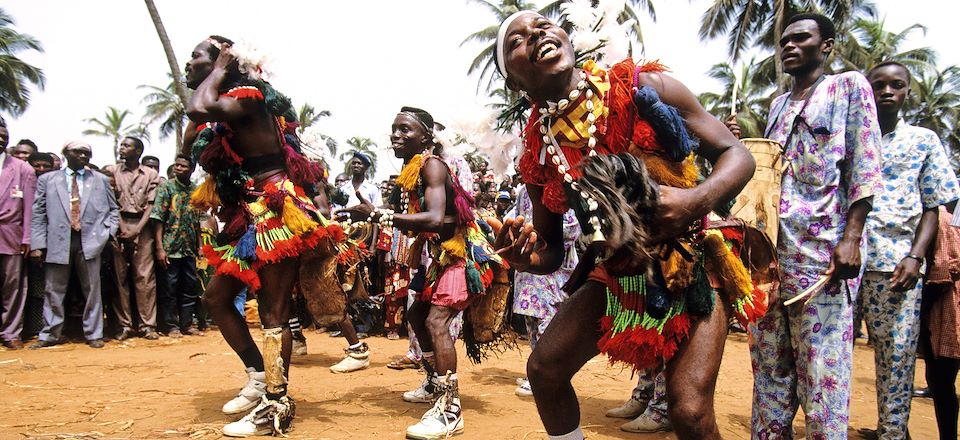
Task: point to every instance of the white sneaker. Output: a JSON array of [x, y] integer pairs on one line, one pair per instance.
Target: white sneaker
[[268, 418], [523, 388], [250, 394], [356, 359], [437, 423], [421, 395], [628, 410], [299, 347]]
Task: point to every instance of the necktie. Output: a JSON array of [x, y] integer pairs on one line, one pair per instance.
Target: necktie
[[75, 204]]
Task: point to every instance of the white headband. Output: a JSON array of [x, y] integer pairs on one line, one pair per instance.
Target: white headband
[[501, 33]]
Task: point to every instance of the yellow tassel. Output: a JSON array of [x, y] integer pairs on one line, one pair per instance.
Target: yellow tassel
[[736, 278], [667, 172], [677, 272], [410, 173], [205, 196], [456, 246], [295, 219]]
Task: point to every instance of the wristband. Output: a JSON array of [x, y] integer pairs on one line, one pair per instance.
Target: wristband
[[915, 257]]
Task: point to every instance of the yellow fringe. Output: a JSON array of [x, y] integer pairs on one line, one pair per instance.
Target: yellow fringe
[[736, 278], [667, 172], [295, 219], [455, 246], [677, 271], [205, 196], [410, 173]]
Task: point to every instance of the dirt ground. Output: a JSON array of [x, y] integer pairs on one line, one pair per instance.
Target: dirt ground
[[174, 388]]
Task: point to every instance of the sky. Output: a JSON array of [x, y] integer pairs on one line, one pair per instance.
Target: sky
[[361, 60]]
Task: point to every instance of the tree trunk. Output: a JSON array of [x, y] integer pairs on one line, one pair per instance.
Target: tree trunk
[[777, 33], [178, 83]]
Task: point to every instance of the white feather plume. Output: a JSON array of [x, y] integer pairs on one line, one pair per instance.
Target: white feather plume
[[252, 61], [598, 27], [579, 13], [478, 127]]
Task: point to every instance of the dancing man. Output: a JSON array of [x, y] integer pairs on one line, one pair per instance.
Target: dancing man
[[257, 181], [612, 145], [440, 211]]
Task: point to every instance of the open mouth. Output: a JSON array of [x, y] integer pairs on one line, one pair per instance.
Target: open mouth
[[547, 50]]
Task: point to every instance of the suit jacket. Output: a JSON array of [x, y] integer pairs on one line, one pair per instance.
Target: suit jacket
[[17, 185], [99, 215]]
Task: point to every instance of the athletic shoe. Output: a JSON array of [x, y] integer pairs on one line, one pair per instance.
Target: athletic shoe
[[523, 388], [270, 417], [439, 422], [629, 410], [647, 423], [356, 359], [300, 347], [249, 395], [421, 394]]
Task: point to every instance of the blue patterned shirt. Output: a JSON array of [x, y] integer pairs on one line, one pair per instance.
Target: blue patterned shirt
[[916, 176]]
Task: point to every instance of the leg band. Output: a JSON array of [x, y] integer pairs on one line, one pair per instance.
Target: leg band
[[273, 361]]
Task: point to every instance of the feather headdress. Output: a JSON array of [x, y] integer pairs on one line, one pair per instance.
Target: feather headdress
[[253, 62], [596, 33]]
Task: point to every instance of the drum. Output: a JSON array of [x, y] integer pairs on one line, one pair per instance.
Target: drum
[[759, 202]]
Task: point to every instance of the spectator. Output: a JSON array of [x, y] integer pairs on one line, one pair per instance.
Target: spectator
[[177, 236], [72, 235], [17, 183], [136, 188], [504, 202], [41, 163], [150, 162], [57, 161], [23, 149]]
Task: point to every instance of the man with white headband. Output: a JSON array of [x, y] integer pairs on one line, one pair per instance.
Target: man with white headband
[[612, 145]]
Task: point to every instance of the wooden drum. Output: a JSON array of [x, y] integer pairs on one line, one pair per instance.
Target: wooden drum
[[759, 202]]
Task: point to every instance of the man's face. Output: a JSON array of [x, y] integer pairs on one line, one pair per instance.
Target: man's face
[[408, 136], [129, 150], [199, 66], [77, 156], [357, 167], [57, 162], [391, 184], [152, 163], [21, 151], [340, 179], [891, 85], [4, 139], [182, 169], [802, 49], [535, 52], [41, 166]]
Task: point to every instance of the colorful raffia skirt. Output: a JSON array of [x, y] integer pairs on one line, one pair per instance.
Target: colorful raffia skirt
[[282, 223], [646, 320]]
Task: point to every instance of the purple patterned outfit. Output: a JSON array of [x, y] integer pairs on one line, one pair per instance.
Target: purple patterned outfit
[[802, 354]]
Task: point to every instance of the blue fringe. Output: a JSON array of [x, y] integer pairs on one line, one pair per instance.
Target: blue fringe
[[246, 248], [666, 122], [474, 283]]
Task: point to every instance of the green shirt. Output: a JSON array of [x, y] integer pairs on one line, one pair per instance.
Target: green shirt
[[181, 223]]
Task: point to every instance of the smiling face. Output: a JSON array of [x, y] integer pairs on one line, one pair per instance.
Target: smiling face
[[408, 136], [802, 49], [200, 64], [537, 54], [891, 85]]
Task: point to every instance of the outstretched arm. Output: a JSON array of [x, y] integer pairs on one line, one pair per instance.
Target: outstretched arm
[[434, 175], [733, 165]]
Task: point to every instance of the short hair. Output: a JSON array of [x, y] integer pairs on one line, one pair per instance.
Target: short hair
[[136, 142], [824, 23], [185, 157], [393, 176], [28, 142], [144, 159], [38, 156], [891, 63], [423, 116]]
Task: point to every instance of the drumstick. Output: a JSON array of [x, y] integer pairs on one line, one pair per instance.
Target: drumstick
[[733, 96], [810, 290]]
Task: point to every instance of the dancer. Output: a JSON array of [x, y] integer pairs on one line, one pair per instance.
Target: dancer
[[603, 143], [257, 181], [438, 209]]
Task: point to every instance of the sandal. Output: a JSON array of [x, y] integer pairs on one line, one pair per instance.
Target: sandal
[[403, 363]]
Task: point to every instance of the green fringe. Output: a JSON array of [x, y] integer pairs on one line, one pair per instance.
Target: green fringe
[[625, 319]]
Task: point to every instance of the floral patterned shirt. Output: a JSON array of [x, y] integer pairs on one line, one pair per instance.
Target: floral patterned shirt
[[181, 223], [916, 176], [538, 296], [831, 160]]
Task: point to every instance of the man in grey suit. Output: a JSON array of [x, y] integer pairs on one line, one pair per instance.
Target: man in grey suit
[[75, 213]]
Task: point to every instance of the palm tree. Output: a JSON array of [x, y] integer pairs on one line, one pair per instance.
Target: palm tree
[[163, 104], [178, 84], [363, 145], [749, 23], [866, 43], [753, 97], [114, 126], [15, 74], [307, 116], [934, 103]]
